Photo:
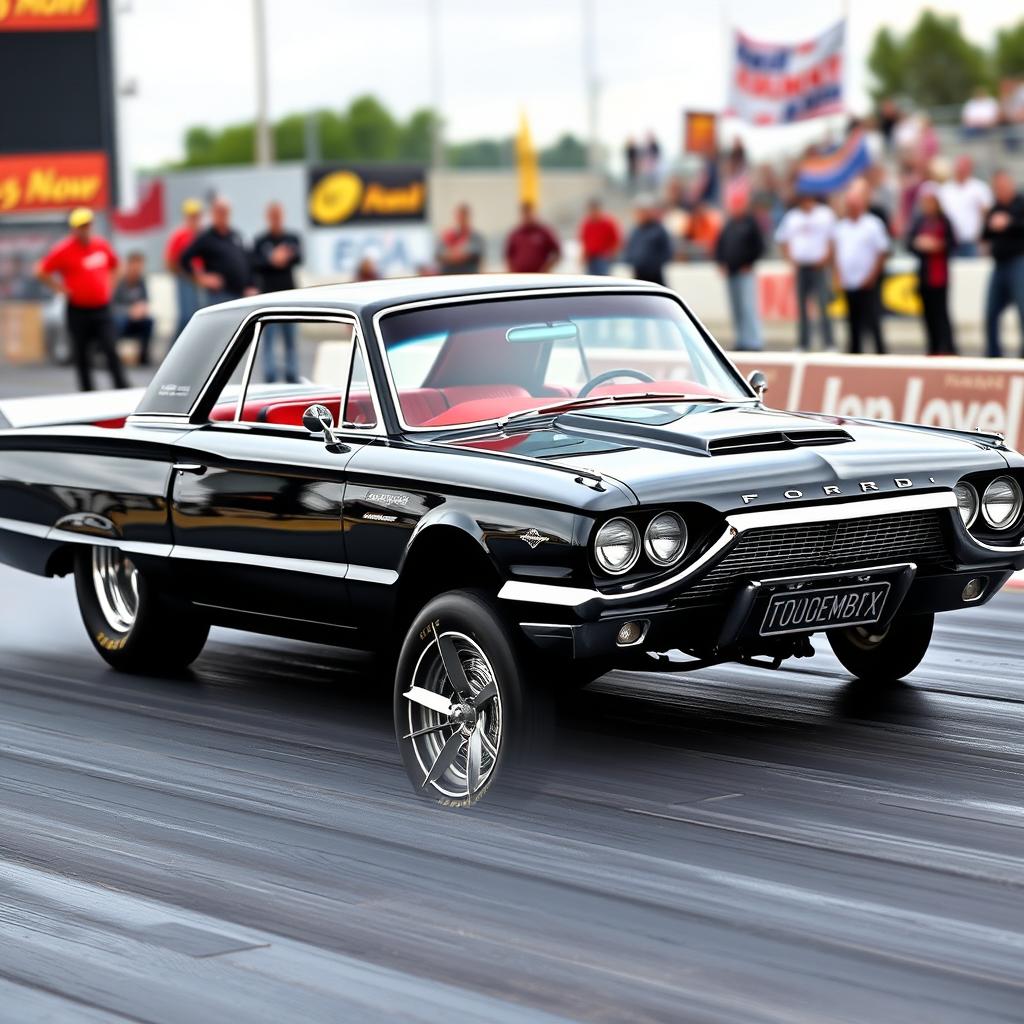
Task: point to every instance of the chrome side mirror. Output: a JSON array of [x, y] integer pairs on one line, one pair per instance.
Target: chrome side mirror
[[759, 383], [317, 419]]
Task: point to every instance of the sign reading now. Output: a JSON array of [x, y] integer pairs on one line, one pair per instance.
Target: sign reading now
[[48, 15]]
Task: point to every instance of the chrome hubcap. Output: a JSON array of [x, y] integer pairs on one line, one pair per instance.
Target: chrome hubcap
[[454, 716], [116, 581]]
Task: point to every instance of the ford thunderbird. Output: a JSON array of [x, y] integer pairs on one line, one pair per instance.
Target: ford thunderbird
[[500, 486]]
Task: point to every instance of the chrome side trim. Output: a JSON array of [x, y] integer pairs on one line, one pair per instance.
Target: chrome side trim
[[370, 574], [313, 567], [134, 547], [574, 597], [306, 565]]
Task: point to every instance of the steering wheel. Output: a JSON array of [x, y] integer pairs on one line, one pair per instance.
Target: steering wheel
[[608, 375]]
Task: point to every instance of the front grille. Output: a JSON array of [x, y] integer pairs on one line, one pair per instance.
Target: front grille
[[824, 547]]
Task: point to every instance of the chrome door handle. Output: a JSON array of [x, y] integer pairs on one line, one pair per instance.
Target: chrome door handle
[[189, 467]]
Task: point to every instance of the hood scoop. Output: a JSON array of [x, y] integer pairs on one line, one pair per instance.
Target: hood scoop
[[776, 440]]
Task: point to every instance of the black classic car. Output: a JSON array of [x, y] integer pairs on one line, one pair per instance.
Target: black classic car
[[502, 486]]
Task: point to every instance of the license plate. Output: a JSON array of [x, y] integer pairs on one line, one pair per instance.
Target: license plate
[[807, 611]]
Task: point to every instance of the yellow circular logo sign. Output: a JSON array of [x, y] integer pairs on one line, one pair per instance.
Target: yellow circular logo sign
[[335, 197]]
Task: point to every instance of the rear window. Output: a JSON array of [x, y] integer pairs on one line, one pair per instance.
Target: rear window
[[187, 367]]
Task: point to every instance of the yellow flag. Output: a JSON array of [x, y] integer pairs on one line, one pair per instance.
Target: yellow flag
[[526, 162]]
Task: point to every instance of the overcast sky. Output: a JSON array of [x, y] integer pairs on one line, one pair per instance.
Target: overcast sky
[[192, 59]]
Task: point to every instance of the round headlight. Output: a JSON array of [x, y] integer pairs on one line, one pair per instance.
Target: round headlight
[[665, 539], [966, 502], [617, 546], [1001, 503]]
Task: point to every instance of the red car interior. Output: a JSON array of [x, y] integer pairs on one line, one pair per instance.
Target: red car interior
[[438, 407]]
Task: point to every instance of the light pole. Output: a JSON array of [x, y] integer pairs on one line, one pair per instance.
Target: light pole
[[437, 132], [592, 85], [264, 140]]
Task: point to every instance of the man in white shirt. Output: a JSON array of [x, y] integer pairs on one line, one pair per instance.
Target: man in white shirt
[[965, 200], [805, 236], [980, 114], [861, 246]]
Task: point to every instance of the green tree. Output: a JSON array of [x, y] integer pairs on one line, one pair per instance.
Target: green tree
[[567, 152], [933, 65], [1008, 56], [375, 133], [416, 136], [482, 153], [290, 137]]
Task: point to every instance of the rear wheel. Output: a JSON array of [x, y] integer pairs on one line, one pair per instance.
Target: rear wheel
[[885, 655], [132, 627], [466, 714]]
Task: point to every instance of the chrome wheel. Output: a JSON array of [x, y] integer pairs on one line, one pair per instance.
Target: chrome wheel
[[117, 587], [454, 716]]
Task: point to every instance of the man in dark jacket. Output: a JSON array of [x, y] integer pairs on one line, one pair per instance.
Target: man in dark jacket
[[275, 255], [650, 246], [1004, 233], [740, 245], [226, 272]]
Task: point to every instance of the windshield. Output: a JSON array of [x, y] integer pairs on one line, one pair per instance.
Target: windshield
[[483, 361]]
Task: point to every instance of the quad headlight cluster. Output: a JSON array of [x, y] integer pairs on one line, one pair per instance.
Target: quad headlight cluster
[[617, 545], [999, 504]]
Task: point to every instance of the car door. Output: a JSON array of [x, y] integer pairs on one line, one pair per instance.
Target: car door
[[257, 500]]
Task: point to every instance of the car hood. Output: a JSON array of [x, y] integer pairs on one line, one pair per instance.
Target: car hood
[[732, 456]]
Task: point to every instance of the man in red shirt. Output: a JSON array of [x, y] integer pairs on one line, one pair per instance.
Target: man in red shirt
[[181, 238], [600, 239], [531, 248], [81, 268]]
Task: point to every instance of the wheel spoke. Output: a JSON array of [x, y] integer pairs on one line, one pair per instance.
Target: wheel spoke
[[446, 757], [488, 745], [424, 732], [487, 692], [435, 701], [452, 664], [473, 762]]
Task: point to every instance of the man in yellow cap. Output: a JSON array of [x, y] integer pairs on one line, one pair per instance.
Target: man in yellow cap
[[81, 268], [181, 238]]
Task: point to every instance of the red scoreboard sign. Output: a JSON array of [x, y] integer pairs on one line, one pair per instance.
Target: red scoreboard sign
[[48, 15]]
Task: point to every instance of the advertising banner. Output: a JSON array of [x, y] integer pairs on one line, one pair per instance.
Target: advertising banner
[[395, 250], [53, 182], [771, 83], [48, 15], [964, 394], [362, 193]]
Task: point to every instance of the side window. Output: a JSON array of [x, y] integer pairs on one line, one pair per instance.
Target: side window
[[291, 365]]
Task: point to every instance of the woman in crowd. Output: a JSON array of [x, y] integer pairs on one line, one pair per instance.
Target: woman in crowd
[[931, 239]]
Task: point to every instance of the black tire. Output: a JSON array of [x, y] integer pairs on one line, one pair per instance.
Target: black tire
[[885, 657], [155, 637], [507, 728]]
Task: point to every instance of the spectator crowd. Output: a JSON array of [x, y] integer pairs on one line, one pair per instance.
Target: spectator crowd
[[907, 196]]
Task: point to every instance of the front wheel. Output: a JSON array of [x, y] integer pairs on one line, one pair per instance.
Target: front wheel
[[466, 713], [883, 655], [132, 627]]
